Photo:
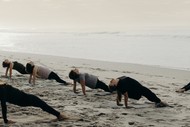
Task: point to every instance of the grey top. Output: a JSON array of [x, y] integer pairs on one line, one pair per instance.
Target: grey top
[[43, 72], [90, 80]]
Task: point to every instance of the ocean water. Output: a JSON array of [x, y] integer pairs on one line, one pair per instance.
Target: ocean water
[[152, 48]]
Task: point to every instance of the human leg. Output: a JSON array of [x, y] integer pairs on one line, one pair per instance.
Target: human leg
[[37, 102], [186, 87], [32, 100], [53, 75], [183, 89], [102, 85], [150, 95]]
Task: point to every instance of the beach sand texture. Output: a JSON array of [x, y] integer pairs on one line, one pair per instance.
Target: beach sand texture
[[98, 108]]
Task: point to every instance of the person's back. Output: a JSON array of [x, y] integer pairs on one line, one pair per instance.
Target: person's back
[[133, 87], [43, 72], [90, 80], [19, 67]]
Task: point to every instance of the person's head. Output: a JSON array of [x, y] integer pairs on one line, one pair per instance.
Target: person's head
[[113, 85], [74, 74], [6, 63], [29, 67]]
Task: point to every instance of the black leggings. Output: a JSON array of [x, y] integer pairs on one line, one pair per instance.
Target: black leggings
[[186, 87], [150, 95], [53, 75], [31, 100], [102, 85]]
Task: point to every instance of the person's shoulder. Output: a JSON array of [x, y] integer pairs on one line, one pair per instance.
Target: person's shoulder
[[35, 67], [82, 75], [88, 75]]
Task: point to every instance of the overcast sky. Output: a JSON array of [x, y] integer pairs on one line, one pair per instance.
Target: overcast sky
[[114, 15]]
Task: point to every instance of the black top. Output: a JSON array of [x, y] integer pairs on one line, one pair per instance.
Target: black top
[[19, 67], [131, 86], [11, 95]]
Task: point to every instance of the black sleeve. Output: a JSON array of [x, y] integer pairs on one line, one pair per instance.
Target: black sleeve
[[4, 110]]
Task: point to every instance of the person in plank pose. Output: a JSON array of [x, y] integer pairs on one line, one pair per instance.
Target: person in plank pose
[[42, 72], [86, 79], [13, 66]]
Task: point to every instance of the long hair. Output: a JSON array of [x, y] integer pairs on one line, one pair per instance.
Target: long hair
[[29, 68], [5, 64], [73, 75]]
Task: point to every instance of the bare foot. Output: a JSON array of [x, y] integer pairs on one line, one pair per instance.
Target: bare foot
[[161, 104], [120, 104], [180, 90], [11, 122]]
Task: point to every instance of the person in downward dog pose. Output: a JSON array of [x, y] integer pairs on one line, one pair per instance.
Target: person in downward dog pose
[[131, 88], [20, 98]]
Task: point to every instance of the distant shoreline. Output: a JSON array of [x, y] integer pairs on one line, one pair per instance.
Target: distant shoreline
[[163, 49], [157, 66]]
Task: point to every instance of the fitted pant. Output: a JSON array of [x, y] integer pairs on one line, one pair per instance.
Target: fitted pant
[[24, 99], [102, 85], [53, 75], [150, 95], [186, 87]]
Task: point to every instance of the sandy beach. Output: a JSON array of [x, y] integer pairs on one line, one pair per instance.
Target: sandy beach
[[98, 108]]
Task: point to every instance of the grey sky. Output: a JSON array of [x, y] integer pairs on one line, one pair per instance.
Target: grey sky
[[98, 15]]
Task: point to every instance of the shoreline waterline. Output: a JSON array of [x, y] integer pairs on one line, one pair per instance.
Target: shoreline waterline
[[31, 56]]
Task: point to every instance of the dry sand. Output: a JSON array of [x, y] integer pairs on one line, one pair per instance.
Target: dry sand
[[98, 108]]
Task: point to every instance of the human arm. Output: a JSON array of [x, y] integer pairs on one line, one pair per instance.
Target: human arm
[[118, 99], [30, 78], [126, 99], [82, 82], [34, 75], [74, 86], [4, 110], [6, 72], [10, 69]]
